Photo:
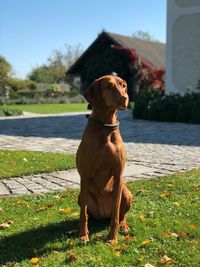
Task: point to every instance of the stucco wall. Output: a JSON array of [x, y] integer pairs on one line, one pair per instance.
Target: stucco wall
[[183, 46]]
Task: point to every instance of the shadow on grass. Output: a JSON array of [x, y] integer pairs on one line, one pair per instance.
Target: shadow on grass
[[31, 243]]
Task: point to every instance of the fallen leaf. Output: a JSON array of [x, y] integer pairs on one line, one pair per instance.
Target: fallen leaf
[[65, 211], [166, 234], [35, 260], [19, 203], [24, 159], [195, 187], [146, 242], [48, 206], [129, 238], [165, 259], [193, 226], [71, 256], [120, 248], [176, 203], [141, 218], [165, 195], [142, 191], [171, 185], [174, 235], [117, 254], [182, 234], [148, 265], [6, 224], [55, 252]]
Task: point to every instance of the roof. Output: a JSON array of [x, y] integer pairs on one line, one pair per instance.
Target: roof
[[150, 52]]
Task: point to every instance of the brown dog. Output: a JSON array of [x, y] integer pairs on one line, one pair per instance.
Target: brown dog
[[101, 158]]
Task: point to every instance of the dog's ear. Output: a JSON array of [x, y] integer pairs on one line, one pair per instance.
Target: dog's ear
[[91, 92]]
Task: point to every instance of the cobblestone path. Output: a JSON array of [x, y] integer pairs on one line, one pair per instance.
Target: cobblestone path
[[153, 148]]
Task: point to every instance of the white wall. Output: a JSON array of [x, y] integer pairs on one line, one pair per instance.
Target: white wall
[[183, 46]]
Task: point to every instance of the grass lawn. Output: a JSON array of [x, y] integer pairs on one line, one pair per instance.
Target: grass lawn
[[16, 163], [164, 223], [52, 108]]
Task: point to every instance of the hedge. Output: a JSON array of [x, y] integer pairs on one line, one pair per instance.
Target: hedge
[[167, 108]]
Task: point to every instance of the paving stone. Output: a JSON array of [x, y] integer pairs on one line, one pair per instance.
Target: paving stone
[[12, 184], [153, 149], [71, 175], [40, 190], [4, 190], [20, 192], [47, 184], [60, 182]]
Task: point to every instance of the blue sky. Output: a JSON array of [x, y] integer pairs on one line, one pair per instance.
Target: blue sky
[[31, 29]]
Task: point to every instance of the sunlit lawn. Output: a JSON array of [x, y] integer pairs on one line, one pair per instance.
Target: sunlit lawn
[[52, 108], [17, 163], [164, 228]]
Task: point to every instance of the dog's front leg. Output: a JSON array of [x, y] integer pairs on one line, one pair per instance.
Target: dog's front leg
[[117, 194], [83, 223]]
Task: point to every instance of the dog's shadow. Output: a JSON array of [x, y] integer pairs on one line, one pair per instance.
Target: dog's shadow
[[34, 242]]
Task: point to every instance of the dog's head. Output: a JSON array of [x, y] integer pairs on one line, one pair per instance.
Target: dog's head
[[108, 91]]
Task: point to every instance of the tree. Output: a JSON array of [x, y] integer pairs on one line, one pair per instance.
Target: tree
[[57, 64], [5, 72], [144, 36], [47, 74], [72, 54]]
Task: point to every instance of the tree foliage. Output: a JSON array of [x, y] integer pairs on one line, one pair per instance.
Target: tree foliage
[[57, 64], [144, 35], [5, 71]]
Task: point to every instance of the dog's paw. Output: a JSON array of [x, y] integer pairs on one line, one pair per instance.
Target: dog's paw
[[112, 238], [124, 227], [84, 238], [112, 241]]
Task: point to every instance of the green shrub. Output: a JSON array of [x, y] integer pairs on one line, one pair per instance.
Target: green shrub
[[142, 102], [139, 108], [195, 118], [1, 113], [162, 109], [152, 111], [7, 111], [172, 108], [184, 111], [168, 107]]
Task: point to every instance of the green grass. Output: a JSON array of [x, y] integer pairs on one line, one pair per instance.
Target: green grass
[[164, 214], [52, 108], [16, 163]]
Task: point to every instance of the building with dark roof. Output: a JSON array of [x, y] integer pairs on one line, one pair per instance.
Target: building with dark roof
[[101, 59]]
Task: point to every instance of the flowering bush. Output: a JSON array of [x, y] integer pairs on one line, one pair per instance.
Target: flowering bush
[[145, 76]]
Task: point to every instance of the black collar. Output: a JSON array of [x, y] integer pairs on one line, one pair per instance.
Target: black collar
[[103, 125]]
